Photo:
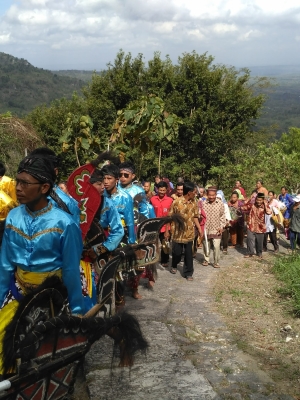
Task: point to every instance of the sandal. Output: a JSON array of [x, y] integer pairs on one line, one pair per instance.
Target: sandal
[[165, 265], [205, 263], [173, 271], [248, 256], [217, 265], [189, 278], [225, 252]]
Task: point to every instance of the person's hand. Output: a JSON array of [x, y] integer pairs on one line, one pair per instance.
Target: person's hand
[[91, 254], [200, 233], [220, 231], [167, 235]]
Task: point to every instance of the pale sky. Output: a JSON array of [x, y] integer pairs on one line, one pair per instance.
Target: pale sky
[[86, 34]]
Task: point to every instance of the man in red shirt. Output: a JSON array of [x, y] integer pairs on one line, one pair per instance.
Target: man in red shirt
[[162, 204]]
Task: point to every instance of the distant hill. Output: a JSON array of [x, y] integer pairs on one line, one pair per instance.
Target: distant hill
[[85, 76], [23, 86], [282, 108]]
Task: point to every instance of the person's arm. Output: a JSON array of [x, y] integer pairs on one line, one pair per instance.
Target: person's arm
[[71, 250], [111, 218], [7, 268], [143, 208], [129, 219]]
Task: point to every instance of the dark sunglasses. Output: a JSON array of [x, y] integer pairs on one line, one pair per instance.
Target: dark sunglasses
[[125, 174]]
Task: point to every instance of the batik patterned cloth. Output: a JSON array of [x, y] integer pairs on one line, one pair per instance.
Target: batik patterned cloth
[[215, 218], [188, 209]]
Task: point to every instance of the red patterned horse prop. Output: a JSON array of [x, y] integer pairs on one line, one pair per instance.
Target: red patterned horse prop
[[45, 351], [84, 193]]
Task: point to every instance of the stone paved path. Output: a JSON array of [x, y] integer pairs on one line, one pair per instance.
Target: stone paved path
[[192, 355]]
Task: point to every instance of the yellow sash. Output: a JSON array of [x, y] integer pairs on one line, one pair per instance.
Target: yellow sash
[[86, 266], [27, 279]]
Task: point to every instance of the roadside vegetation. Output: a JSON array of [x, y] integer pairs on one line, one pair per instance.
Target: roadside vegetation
[[259, 301]]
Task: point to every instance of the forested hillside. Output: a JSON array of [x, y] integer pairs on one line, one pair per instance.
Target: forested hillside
[[23, 86]]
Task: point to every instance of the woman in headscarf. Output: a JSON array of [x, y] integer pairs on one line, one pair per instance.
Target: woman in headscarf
[[39, 241]]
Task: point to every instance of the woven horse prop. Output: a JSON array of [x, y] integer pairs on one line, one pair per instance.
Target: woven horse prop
[[44, 344], [126, 261]]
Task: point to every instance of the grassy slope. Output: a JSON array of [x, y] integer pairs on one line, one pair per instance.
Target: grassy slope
[[23, 87]]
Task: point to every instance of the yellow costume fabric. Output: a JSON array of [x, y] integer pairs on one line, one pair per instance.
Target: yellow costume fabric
[[6, 315], [8, 186]]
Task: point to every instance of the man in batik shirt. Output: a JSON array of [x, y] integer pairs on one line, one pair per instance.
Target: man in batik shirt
[[188, 209]]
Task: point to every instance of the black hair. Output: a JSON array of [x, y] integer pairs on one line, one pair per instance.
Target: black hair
[[97, 176], [235, 192], [162, 184], [282, 187], [158, 176], [188, 187], [127, 165], [259, 180], [254, 191], [179, 184], [237, 180], [111, 169], [63, 183], [2, 169], [271, 191], [45, 152]]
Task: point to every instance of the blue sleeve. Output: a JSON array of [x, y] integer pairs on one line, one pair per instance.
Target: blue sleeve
[[7, 269], [129, 219], [151, 211], [143, 207], [70, 203], [111, 218], [71, 253]]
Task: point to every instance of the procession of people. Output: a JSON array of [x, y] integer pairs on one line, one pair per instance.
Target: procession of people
[[42, 233]]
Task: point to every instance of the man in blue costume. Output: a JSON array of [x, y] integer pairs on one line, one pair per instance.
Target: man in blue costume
[[121, 200], [65, 202], [127, 176], [39, 240], [110, 221]]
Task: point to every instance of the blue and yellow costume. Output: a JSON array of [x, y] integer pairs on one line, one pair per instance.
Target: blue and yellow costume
[[36, 245], [124, 205], [110, 221]]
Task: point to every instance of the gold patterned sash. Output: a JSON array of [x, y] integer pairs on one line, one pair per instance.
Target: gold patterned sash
[[29, 280]]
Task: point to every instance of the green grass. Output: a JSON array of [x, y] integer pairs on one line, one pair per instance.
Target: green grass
[[287, 270]]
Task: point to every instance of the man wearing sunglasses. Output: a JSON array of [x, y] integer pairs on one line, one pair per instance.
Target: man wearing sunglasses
[[126, 179], [121, 200]]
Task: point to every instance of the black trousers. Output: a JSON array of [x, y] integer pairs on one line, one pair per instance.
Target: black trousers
[[273, 239], [164, 258], [177, 248], [225, 238]]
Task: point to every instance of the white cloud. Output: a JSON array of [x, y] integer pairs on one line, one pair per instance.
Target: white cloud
[[58, 30]]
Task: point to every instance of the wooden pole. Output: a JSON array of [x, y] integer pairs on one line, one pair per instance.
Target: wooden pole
[[159, 158]]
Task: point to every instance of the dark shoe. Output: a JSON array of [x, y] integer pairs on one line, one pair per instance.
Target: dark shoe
[[173, 271], [265, 249]]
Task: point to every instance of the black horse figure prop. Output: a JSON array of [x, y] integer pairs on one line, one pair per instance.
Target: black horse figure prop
[[44, 343]]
